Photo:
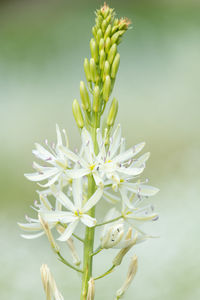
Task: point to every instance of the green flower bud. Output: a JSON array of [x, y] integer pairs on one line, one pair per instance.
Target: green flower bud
[[114, 29], [94, 50], [106, 88], [84, 97], [99, 35], [108, 19], [112, 113], [116, 22], [104, 25], [106, 68], [96, 99], [115, 65], [87, 69], [116, 36], [101, 45], [94, 31], [102, 59], [107, 44], [112, 53], [108, 32], [93, 70], [77, 114]]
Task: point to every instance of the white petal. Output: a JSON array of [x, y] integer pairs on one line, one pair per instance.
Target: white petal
[[32, 236], [58, 216], [110, 197], [68, 231], [141, 189], [77, 173], [130, 153], [130, 171], [30, 226], [59, 137], [115, 142], [88, 221], [98, 180], [42, 153], [140, 161], [69, 154], [122, 145], [88, 145], [77, 192], [65, 201], [51, 181], [93, 200], [125, 198], [42, 176]]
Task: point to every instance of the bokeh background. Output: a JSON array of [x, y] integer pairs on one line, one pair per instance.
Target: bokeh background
[[42, 47]]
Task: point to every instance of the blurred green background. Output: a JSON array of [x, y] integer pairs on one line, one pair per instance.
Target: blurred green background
[[42, 47]]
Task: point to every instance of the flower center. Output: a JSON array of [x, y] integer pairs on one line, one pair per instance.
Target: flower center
[[77, 213]]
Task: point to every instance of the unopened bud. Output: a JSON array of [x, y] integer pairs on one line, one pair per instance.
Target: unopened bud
[[129, 278], [48, 233], [49, 284], [115, 65], [93, 70], [94, 31], [91, 289], [102, 59], [96, 99], [107, 44], [106, 68], [116, 36], [104, 25], [114, 29], [87, 69], [116, 22], [94, 50], [107, 88], [77, 114], [112, 53], [99, 34], [107, 32], [101, 45], [112, 112], [84, 97]]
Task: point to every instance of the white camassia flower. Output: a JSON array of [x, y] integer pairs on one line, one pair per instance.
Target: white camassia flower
[[107, 164], [116, 234], [77, 210], [55, 158], [34, 225]]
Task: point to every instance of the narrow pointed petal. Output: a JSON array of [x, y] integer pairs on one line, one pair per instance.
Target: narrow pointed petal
[[58, 216], [65, 201], [51, 181], [77, 192], [59, 137], [68, 231], [130, 171], [30, 226], [137, 163], [41, 176], [69, 154], [129, 154], [32, 236], [77, 173], [110, 197], [93, 200], [88, 145], [141, 189], [42, 153], [115, 142], [88, 221]]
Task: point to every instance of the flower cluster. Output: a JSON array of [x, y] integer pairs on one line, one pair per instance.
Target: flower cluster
[[115, 171]]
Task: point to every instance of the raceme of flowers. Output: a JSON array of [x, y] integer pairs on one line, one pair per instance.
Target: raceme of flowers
[[116, 173]]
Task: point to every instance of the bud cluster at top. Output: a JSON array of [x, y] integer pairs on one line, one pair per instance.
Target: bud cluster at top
[[101, 69]]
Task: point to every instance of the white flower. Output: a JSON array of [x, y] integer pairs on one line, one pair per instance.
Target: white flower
[[77, 211], [112, 164], [34, 225], [55, 158]]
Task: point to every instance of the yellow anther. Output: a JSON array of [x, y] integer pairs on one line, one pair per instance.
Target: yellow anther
[[92, 167]]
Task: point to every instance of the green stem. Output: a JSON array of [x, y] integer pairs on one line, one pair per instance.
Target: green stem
[[64, 261], [106, 273], [110, 221], [88, 245]]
